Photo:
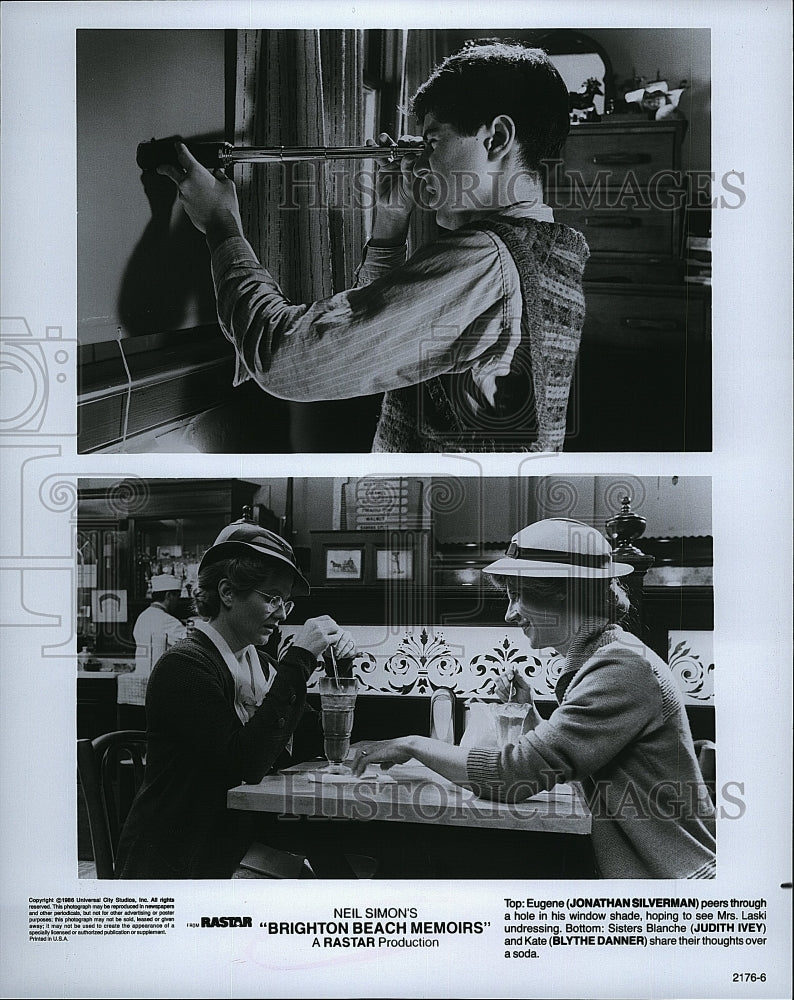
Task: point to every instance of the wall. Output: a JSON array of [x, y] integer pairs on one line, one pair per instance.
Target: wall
[[141, 265], [481, 509], [313, 507], [493, 508], [464, 508], [671, 505]]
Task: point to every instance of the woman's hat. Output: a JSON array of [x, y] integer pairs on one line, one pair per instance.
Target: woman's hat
[[243, 538], [558, 547], [164, 583]]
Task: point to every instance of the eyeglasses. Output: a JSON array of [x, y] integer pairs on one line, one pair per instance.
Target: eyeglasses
[[274, 602]]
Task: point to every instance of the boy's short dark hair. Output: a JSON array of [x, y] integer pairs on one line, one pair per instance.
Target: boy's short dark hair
[[489, 77]]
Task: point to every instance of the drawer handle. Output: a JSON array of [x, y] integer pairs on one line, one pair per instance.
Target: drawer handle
[[612, 221], [643, 323], [621, 159]]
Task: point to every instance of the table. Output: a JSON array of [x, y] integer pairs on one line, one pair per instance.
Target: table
[[409, 793]]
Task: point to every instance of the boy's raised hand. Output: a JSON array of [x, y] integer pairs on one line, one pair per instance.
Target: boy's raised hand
[[208, 197], [396, 191]]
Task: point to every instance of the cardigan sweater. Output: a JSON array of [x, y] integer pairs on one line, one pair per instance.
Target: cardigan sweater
[[197, 748], [529, 406], [621, 729]]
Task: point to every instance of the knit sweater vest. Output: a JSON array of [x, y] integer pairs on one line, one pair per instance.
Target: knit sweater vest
[[531, 403]]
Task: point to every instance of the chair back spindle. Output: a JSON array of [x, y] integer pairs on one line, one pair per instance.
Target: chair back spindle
[[111, 769]]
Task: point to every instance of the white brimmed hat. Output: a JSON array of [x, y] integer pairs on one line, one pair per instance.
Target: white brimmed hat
[[558, 547], [241, 537], [165, 582]]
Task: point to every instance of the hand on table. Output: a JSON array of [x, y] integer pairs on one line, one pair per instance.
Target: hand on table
[[383, 752], [209, 198]]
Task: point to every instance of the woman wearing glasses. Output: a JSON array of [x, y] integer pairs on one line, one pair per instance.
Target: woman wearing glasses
[[219, 711]]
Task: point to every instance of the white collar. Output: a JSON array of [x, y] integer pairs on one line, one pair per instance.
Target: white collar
[[250, 685], [221, 644], [529, 210], [518, 210]]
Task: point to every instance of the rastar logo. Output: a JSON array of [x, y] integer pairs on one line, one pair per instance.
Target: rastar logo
[[226, 922]]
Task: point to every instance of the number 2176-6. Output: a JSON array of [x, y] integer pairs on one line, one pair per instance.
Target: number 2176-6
[[749, 977]]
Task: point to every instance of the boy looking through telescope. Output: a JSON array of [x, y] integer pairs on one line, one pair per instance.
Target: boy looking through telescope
[[473, 339]]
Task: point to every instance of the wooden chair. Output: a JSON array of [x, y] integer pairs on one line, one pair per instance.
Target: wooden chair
[[111, 771]]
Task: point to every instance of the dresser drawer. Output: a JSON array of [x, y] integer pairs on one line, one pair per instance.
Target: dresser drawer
[[609, 153], [643, 378], [656, 320], [611, 269], [616, 230]]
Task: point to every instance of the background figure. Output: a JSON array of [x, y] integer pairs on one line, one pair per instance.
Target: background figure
[[157, 626]]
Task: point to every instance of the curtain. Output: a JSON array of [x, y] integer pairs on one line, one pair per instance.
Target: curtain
[[301, 88], [304, 88], [420, 56]]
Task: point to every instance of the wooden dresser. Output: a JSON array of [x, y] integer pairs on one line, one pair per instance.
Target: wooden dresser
[[643, 380]]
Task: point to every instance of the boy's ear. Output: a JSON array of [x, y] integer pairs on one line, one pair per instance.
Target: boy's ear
[[501, 138]]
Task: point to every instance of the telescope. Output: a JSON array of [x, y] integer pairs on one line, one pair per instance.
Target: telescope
[[158, 152]]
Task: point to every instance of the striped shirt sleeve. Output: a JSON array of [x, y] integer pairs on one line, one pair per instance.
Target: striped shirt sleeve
[[403, 322]]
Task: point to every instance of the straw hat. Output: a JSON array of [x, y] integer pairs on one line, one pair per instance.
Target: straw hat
[[242, 538], [165, 582], [558, 547]]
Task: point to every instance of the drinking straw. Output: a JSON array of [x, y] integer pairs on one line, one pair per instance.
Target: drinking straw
[[510, 693], [336, 670]]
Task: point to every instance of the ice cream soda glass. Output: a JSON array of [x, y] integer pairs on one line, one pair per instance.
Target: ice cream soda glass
[[338, 702]]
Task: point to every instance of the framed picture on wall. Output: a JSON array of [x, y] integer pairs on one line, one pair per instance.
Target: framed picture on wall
[[372, 559], [394, 564], [344, 565], [109, 605], [169, 551]]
